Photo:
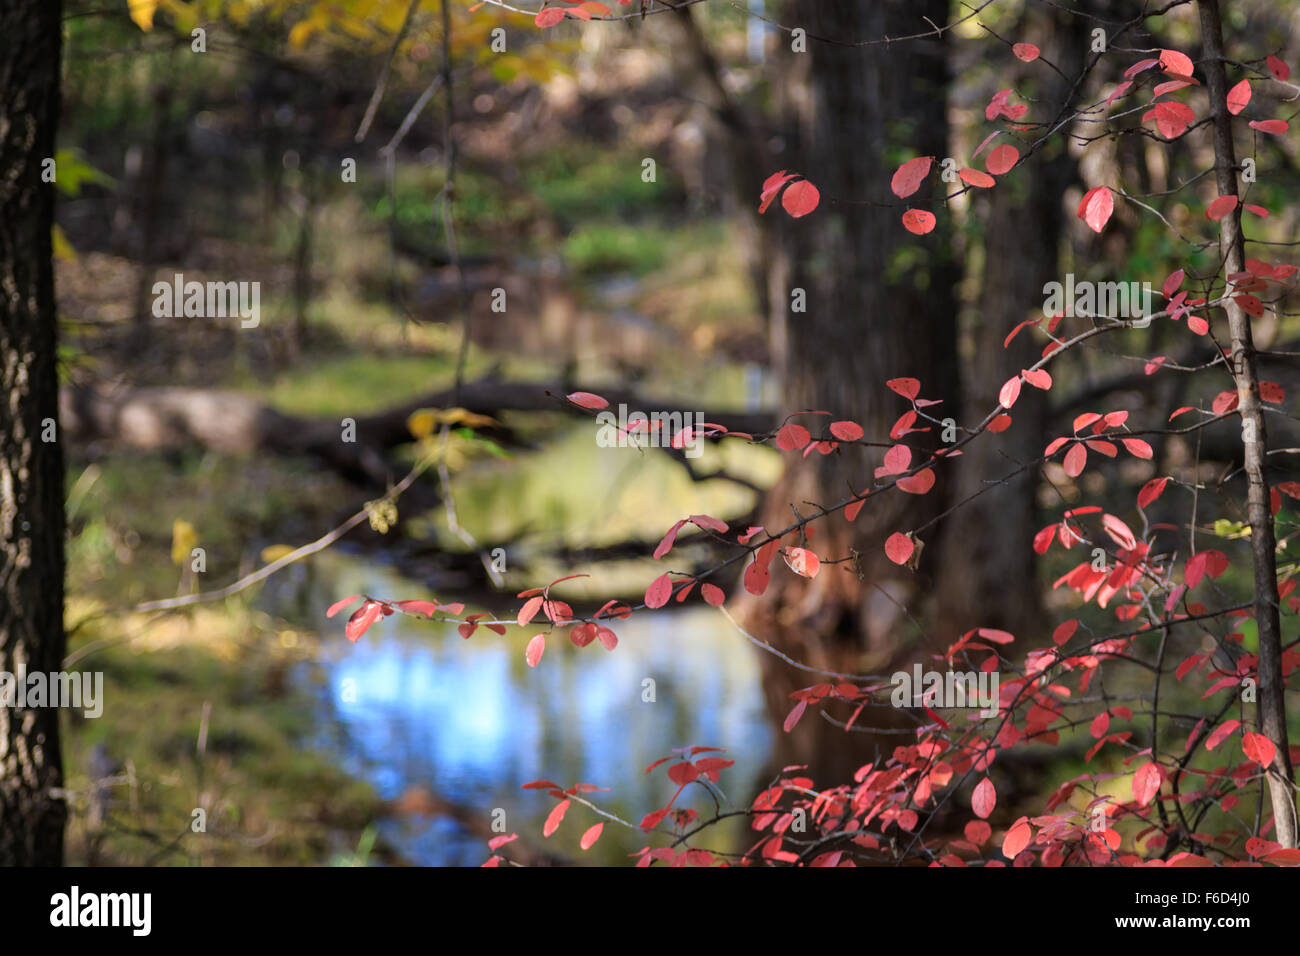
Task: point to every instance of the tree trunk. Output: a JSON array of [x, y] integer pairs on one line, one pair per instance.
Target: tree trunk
[[988, 567], [880, 305], [32, 810], [1271, 710]]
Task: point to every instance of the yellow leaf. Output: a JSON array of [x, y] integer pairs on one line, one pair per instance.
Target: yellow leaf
[[184, 538], [301, 32], [420, 423], [142, 12], [463, 416], [276, 551], [62, 248]]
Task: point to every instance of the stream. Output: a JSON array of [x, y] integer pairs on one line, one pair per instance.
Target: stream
[[414, 706]]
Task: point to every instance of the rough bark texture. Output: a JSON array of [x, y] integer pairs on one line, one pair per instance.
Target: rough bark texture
[[32, 812], [1271, 709], [880, 304]]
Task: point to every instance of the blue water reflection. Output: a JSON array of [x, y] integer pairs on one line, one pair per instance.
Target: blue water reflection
[[414, 705]]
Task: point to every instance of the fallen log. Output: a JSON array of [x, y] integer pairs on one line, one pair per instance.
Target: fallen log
[[232, 423]]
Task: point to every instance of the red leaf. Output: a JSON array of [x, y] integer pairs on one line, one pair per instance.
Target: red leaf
[[1283, 858], [536, 648], [713, 595], [591, 836], [1146, 783], [1220, 732], [1010, 392], [996, 636], [909, 176], [340, 605], [1065, 631], [1174, 280], [846, 431], [1279, 69], [771, 186], [1152, 490], [359, 622], [1179, 64], [1096, 207], [1118, 91], [1017, 839], [793, 717], [792, 437], [1258, 748], [1012, 334], [683, 773], [1220, 208], [1238, 97], [984, 799], [907, 387], [427, 608], [800, 198], [917, 484], [659, 591], [587, 399], [548, 17], [1224, 402], [1039, 378], [1137, 448], [666, 543], [974, 177], [556, 815], [1001, 159], [1139, 67], [653, 819], [803, 562], [757, 576], [1273, 127], [919, 221], [1075, 460], [1172, 118], [897, 460], [1026, 51], [529, 610], [899, 547]]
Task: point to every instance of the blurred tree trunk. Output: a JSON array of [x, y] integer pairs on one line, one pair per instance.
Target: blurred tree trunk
[[151, 218], [986, 564], [880, 304], [306, 202], [31, 462]]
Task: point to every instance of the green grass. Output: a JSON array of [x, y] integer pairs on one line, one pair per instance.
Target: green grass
[[270, 798]]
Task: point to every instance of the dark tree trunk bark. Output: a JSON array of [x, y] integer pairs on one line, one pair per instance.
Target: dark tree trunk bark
[[32, 811], [880, 305], [987, 565]]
